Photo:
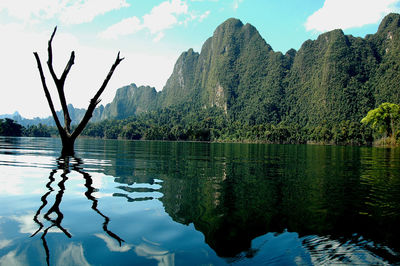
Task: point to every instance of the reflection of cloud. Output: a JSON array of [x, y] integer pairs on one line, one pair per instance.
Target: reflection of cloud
[[11, 258], [72, 255], [149, 250], [17, 167], [11, 186], [112, 245], [163, 257], [4, 243], [99, 195], [28, 226]]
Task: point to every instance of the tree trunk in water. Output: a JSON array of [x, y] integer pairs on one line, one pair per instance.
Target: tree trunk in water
[[67, 146]]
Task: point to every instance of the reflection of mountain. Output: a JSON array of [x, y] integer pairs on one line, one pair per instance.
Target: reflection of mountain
[[235, 193], [252, 190]]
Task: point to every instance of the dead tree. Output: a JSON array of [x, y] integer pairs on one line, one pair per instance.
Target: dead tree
[[67, 137]]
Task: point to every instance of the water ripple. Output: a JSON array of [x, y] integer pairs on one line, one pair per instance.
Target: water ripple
[[326, 251]]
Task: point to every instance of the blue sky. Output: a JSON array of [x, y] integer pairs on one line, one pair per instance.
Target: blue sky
[[150, 35]]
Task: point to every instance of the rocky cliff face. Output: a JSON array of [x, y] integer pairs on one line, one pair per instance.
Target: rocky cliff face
[[180, 86], [130, 100]]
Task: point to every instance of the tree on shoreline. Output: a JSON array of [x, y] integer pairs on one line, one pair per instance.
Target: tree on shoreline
[[8, 127], [385, 119], [67, 137]]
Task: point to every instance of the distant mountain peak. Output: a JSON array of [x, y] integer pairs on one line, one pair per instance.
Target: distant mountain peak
[[390, 22], [230, 23], [233, 26], [13, 115], [333, 35]]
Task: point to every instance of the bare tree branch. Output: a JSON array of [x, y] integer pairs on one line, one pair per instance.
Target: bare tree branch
[[50, 59], [60, 82], [95, 100], [67, 68], [67, 138], [48, 96]]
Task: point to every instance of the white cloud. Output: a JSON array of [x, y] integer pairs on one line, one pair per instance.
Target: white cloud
[[193, 16], [81, 12], [236, 4], [162, 17], [125, 27], [66, 11], [346, 14], [159, 36], [204, 15], [25, 10]]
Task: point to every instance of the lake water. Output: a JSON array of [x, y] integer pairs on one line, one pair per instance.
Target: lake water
[[174, 203]]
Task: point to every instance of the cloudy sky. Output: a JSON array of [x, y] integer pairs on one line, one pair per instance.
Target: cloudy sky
[[150, 35]]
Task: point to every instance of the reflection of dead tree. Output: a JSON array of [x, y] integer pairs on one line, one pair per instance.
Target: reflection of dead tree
[[44, 201], [55, 208], [88, 194], [68, 138], [64, 165]]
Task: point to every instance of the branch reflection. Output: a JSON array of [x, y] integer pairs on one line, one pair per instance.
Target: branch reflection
[[67, 165], [90, 189]]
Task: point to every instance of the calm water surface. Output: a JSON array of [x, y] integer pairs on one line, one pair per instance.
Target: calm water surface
[[168, 203]]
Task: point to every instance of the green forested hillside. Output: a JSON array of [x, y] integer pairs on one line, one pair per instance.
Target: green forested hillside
[[239, 88], [331, 79], [328, 80], [386, 78]]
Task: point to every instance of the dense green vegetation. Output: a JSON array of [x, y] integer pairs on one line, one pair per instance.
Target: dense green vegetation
[[212, 125], [39, 131], [9, 127], [385, 120], [179, 123]]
